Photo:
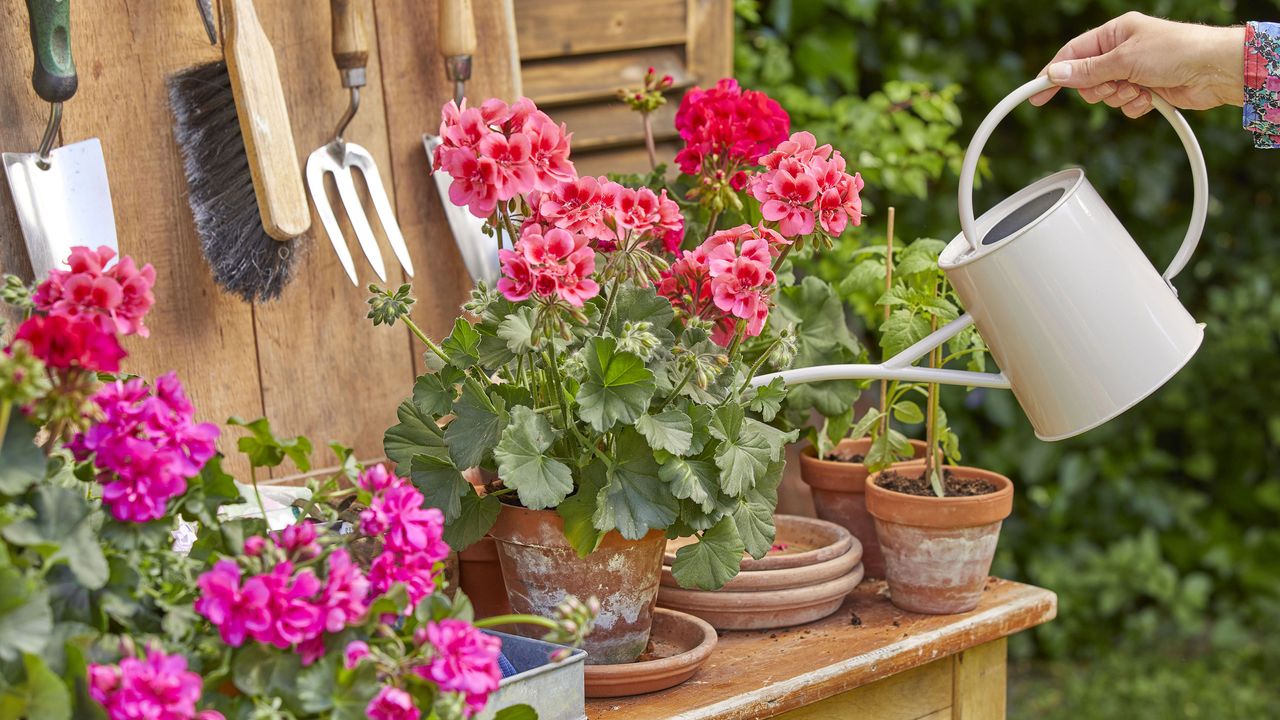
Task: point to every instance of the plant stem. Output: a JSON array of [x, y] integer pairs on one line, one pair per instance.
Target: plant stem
[[648, 140], [608, 303], [505, 213], [253, 478], [739, 332], [933, 473], [413, 328], [516, 619], [711, 223], [756, 365], [5, 410], [680, 385], [777, 263], [888, 285]]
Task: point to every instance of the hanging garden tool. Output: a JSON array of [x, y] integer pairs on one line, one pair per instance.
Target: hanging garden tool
[[1074, 314], [351, 53], [60, 194], [457, 35], [243, 181]]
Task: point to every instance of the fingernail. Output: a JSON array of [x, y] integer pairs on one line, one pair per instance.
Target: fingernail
[[1105, 89], [1060, 71]]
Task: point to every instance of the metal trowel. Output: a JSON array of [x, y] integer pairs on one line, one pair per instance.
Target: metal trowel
[[457, 32], [60, 194]]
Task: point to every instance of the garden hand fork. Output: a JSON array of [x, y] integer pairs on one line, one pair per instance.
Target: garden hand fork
[[351, 53]]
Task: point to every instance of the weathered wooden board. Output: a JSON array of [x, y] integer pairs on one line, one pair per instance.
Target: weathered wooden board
[[311, 361], [755, 675]]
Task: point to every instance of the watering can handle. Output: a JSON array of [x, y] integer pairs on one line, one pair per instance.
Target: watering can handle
[[1199, 175]]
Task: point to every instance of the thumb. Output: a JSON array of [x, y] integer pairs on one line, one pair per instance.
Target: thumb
[[1090, 71]]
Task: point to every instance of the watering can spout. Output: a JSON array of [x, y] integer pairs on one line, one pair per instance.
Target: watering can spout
[[898, 367]]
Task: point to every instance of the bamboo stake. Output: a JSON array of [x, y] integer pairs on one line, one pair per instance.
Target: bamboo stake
[[932, 462], [888, 284]]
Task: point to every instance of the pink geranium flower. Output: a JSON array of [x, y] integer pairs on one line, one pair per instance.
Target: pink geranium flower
[[155, 687], [65, 342], [549, 263], [146, 446], [238, 612], [728, 123], [805, 186], [475, 180], [465, 661], [295, 617], [355, 651], [392, 703], [116, 299]]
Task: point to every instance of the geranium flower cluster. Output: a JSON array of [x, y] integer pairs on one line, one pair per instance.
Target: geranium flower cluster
[[551, 263], [727, 278], [155, 687], [412, 535], [286, 605], [146, 446], [498, 151], [608, 212], [726, 127], [465, 661], [803, 184]]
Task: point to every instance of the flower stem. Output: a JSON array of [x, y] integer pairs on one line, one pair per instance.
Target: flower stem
[[758, 363], [711, 223], [739, 332], [680, 385], [516, 619], [434, 348], [888, 285], [608, 304], [648, 140], [505, 213], [5, 410], [253, 478]]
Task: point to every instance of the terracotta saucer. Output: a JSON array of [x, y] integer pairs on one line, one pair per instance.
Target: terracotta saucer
[[786, 578], [678, 645], [762, 610], [803, 541]]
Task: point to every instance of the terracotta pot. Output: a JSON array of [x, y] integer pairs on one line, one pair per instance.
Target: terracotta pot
[[839, 495], [540, 568], [480, 574], [766, 609], [938, 551], [680, 645]]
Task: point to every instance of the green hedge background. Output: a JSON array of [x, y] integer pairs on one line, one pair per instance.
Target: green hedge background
[[1160, 532]]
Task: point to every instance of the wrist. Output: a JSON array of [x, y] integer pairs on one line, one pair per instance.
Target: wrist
[[1224, 64]]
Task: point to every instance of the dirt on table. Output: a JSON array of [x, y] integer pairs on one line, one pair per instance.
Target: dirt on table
[[919, 485]]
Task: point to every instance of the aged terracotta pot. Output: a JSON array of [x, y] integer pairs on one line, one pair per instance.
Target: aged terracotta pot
[[839, 495], [679, 645], [540, 568], [807, 541], [938, 551]]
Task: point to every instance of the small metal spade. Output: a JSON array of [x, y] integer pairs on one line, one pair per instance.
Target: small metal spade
[[61, 194]]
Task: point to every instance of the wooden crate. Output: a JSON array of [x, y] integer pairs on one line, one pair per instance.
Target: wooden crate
[[311, 361]]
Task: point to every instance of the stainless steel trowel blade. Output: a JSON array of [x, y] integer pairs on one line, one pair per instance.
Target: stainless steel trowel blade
[[479, 251], [65, 204]]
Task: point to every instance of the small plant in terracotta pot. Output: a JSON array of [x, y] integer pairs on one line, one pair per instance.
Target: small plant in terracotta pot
[[605, 381], [938, 524]]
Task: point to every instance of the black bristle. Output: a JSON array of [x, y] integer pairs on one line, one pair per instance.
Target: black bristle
[[244, 259]]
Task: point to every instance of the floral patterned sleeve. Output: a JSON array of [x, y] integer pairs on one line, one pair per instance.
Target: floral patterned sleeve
[[1262, 83]]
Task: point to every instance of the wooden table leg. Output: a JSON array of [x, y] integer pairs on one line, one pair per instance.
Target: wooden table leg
[[978, 682]]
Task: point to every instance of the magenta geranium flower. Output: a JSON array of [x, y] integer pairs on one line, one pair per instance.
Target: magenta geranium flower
[[465, 661], [65, 342], [146, 446], [392, 703], [238, 612], [728, 124], [155, 687]]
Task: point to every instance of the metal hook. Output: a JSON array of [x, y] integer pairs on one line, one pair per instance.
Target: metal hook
[[50, 134], [206, 17], [348, 116]]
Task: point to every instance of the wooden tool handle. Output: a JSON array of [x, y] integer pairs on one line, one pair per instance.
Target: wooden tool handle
[[457, 28], [264, 122], [350, 36]]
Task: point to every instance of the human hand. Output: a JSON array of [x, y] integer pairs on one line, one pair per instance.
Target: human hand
[[1194, 67]]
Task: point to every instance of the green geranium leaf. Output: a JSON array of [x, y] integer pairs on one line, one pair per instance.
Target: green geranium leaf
[[434, 393], [26, 620], [578, 509], [669, 430], [693, 480], [635, 500], [540, 480], [315, 685], [416, 434], [701, 417], [477, 516], [209, 491], [816, 315], [516, 712], [260, 670], [46, 693], [643, 303], [265, 449], [745, 450], [712, 561], [441, 484], [479, 421], [463, 345], [617, 387], [354, 691], [754, 521], [865, 278], [21, 462], [517, 331], [767, 399], [62, 531]]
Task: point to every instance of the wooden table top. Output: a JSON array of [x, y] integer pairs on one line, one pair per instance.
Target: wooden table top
[[759, 674]]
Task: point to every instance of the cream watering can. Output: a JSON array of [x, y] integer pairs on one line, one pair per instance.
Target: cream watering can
[[1080, 323]]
